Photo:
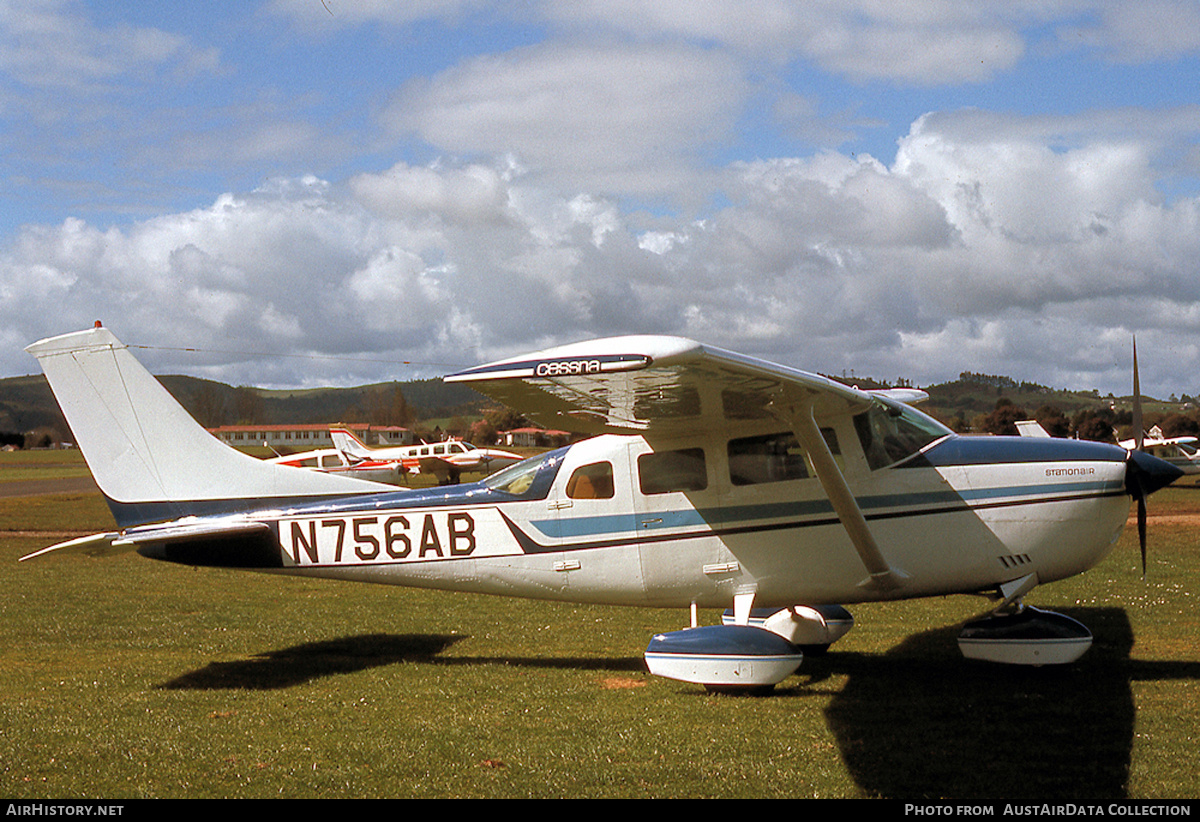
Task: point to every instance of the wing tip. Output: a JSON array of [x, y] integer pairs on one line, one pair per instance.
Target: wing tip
[[597, 356]]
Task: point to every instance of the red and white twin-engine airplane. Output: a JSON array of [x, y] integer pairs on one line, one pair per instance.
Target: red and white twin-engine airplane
[[446, 460], [714, 481]]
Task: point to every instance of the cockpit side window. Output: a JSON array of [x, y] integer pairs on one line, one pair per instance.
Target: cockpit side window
[[593, 481], [890, 432]]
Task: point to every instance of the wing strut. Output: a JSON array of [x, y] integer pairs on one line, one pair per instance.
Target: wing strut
[[804, 424]]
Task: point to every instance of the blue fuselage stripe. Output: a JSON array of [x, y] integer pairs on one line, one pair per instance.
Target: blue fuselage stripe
[[803, 512]]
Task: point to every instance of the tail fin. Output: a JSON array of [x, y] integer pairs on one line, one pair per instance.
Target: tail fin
[[151, 460], [349, 445], [1031, 428]]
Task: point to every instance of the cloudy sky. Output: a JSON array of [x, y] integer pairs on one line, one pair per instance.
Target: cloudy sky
[[309, 192]]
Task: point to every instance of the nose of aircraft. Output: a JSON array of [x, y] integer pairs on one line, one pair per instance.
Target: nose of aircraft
[[1146, 474]]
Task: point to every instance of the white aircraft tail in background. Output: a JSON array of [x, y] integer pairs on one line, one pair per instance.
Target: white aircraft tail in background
[[1031, 428]]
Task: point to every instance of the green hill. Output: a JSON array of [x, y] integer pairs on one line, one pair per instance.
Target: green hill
[[27, 404], [973, 394]]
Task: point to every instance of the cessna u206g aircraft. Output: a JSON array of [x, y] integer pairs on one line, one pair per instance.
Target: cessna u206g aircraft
[[713, 481]]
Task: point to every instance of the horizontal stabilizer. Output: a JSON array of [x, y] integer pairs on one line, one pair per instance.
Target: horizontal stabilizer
[[190, 532], [97, 545], [113, 542], [230, 543]]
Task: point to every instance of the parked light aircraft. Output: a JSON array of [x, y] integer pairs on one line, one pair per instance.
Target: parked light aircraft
[[1182, 452], [446, 460], [334, 461], [713, 480]]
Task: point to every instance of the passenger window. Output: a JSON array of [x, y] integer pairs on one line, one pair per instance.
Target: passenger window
[[666, 471], [593, 481], [769, 458]]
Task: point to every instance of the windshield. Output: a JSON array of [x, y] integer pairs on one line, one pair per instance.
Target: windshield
[[531, 478], [891, 432]]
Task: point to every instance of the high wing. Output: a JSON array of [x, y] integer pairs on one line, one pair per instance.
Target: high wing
[[661, 386], [656, 386]]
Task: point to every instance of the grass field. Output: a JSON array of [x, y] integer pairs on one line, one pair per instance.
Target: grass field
[[125, 678]]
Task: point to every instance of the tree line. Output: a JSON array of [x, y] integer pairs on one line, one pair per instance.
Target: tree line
[[1101, 423]]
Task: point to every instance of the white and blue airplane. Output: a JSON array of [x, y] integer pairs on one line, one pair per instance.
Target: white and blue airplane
[[713, 480]]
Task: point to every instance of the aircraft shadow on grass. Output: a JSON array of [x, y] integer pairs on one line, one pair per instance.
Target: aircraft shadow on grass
[[311, 660], [302, 663], [919, 722]]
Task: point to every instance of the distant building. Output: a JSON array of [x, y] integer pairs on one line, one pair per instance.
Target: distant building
[[308, 437], [533, 437]]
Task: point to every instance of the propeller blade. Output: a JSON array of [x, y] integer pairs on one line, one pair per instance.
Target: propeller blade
[[1138, 434], [1141, 524], [1136, 480], [1135, 475], [1145, 474]]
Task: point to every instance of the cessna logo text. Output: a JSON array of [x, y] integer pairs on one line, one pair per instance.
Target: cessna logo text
[[566, 368], [386, 538]]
